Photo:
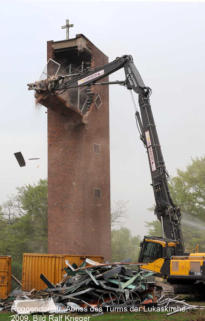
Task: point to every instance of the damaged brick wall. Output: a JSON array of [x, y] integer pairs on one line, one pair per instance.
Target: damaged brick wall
[[79, 171]]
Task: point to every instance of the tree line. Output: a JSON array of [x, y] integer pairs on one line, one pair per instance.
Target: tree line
[[23, 218]]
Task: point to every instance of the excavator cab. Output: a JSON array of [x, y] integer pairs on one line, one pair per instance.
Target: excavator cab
[[154, 252]]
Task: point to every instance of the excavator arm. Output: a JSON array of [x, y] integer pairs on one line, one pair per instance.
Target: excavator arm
[[166, 211]]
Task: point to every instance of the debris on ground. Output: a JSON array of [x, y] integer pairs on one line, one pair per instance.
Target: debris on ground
[[29, 306], [97, 287], [16, 280], [91, 286], [174, 306], [168, 289]]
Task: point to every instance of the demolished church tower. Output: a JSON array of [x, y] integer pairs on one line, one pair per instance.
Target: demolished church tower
[[78, 155]]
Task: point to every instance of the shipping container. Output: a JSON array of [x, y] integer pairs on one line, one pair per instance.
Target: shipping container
[[5, 276], [51, 265]]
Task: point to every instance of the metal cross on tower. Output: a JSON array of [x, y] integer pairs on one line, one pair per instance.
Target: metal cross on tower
[[67, 27]]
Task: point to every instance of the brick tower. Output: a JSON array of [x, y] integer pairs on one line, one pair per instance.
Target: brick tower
[[78, 156]]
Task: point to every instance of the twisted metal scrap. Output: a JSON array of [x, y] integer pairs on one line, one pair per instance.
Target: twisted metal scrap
[[180, 305]]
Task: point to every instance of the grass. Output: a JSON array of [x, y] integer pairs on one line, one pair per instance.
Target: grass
[[155, 316], [136, 316]]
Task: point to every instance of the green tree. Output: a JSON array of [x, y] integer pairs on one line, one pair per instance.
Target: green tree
[[34, 203], [154, 228], [124, 245], [188, 192], [23, 223], [24, 228]]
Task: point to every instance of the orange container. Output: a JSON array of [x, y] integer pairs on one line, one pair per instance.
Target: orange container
[[5, 276], [51, 265]]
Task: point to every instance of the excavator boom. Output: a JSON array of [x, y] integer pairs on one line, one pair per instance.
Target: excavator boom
[[168, 214]]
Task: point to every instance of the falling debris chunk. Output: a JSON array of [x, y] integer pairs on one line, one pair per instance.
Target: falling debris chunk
[[20, 159]]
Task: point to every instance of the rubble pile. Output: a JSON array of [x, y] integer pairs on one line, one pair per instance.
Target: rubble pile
[[100, 285], [97, 287], [91, 287]]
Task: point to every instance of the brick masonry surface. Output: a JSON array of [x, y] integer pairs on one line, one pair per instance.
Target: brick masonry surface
[[79, 175]]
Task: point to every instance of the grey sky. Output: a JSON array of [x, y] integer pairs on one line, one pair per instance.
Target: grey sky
[[167, 43]]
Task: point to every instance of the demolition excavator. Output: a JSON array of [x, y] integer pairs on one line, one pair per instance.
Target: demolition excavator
[[164, 255]]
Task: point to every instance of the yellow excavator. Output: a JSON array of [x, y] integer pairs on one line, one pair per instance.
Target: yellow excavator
[[165, 255]]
